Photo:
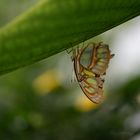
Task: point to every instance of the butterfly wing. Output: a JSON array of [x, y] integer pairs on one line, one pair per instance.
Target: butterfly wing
[[103, 56], [90, 63], [90, 87]]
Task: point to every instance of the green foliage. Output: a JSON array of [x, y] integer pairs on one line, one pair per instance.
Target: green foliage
[[27, 115], [52, 26]]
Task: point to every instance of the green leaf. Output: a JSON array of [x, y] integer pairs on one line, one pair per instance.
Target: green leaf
[[52, 26]]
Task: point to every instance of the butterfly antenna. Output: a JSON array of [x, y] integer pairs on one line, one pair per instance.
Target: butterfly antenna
[[69, 50]]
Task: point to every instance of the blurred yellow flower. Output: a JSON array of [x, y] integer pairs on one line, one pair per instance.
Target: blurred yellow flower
[[84, 104], [46, 82]]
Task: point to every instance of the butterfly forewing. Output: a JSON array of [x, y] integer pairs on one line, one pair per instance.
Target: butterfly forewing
[[86, 56], [103, 57]]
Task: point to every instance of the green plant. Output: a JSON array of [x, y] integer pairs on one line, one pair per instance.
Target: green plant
[[50, 27]]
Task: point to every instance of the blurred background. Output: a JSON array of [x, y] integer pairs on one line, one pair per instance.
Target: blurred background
[[40, 102]]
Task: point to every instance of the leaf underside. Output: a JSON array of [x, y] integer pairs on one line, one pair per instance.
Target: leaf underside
[[52, 26]]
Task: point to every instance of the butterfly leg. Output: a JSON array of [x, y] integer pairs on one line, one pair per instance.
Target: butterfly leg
[[70, 50]]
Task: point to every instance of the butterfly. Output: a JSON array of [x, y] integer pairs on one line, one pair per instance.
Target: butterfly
[[90, 65]]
